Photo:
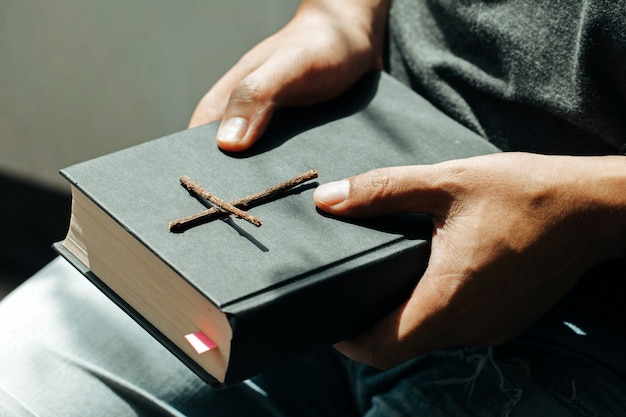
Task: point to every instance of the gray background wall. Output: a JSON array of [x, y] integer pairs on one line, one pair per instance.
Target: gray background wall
[[80, 78]]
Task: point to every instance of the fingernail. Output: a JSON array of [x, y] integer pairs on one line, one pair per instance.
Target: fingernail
[[232, 130], [332, 193]]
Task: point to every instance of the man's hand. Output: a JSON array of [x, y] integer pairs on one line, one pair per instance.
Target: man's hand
[[512, 234], [319, 54]]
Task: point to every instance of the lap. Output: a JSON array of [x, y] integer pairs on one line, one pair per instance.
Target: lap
[[67, 350]]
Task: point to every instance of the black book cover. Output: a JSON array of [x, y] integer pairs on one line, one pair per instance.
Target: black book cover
[[302, 279]]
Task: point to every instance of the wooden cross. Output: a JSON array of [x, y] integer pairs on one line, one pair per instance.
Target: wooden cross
[[237, 207]]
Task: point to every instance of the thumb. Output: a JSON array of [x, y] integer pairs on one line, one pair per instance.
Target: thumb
[[382, 191], [247, 114]]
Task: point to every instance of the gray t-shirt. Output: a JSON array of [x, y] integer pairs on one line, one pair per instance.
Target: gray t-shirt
[[545, 76]]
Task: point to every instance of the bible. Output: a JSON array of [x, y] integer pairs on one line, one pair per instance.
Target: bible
[[231, 299]]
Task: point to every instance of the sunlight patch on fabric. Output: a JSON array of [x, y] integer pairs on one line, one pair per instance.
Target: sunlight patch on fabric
[[575, 328]]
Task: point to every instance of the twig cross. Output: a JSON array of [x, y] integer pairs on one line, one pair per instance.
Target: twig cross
[[236, 207]]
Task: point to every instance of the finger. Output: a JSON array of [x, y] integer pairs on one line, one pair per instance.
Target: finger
[[289, 79], [416, 327], [211, 107], [243, 99], [252, 101], [384, 191], [248, 112]]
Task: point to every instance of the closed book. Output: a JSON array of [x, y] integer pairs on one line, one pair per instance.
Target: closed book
[[231, 299]]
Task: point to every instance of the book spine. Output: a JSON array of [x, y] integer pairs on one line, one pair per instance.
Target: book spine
[[269, 329], [153, 331]]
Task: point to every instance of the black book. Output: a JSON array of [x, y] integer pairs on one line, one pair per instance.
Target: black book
[[231, 299]]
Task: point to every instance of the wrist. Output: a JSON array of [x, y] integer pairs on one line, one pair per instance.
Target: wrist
[[602, 185], [363, 22]]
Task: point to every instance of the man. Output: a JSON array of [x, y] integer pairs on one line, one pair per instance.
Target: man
[[519, 311]]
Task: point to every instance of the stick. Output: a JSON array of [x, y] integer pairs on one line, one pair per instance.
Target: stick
[[243, 203], [223, 205]]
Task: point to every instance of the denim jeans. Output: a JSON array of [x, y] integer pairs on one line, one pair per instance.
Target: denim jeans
[[66, 350]]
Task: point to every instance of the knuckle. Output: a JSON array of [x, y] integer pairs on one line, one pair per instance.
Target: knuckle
[[248, 91], [380, 183]]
